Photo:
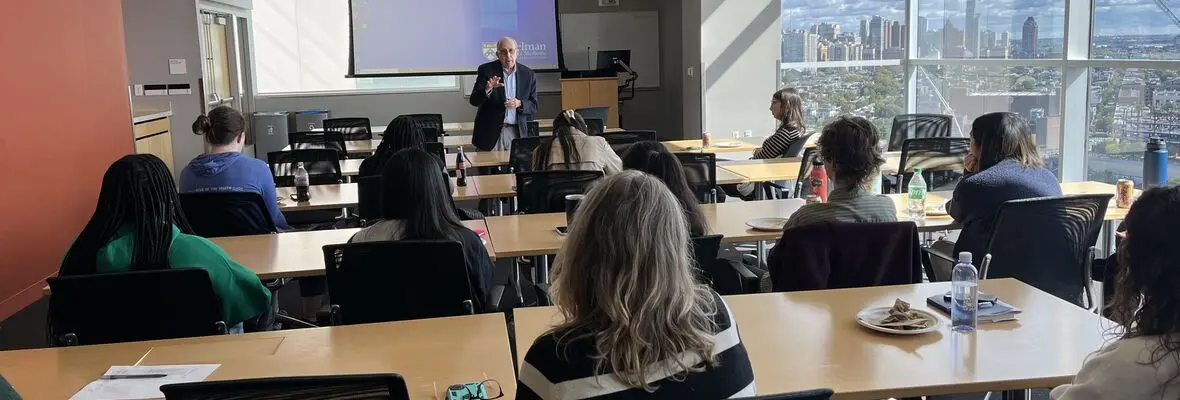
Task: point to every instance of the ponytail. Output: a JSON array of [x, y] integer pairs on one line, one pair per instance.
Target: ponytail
[[202, 125], [222, 126]]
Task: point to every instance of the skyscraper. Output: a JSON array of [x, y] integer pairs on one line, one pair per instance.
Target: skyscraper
[[971, 33], [1005, 40], [864, 31], [923, 25], [828, 31], [795, 46], [895, 34], [877, 29], [1028, 39], [988, 40]]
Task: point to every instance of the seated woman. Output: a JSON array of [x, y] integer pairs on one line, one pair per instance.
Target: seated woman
[[224, 167], [786, 106], [1003, 165], [402, 133], [1144, 363], [653, 158], [572, 149], [417, 205], [849, 147], [636, 322], [137, 225]]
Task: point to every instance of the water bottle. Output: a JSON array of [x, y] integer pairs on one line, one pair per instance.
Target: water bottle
[[917, 195], [964, 294], [817, 184], [1155, 163], [302, 183]]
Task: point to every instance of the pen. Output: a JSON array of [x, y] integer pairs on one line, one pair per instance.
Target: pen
[[139, 376]]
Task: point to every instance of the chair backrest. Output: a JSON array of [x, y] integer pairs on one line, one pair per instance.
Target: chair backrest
[[932, 154], [821, 256], [620, 142], [318, 140], [705, 250], [219, 214], [700, 170], [796, 147], [334, 387], [599, 113], [1045, 242], [544, 191], [816, 394], [520, 156], [133, 306], [917, 126], [431, 124], [809, 156], [595, 126], [534, 129], [398, 280], [437, 149], [322, 165], [353, 128], [368, 206]]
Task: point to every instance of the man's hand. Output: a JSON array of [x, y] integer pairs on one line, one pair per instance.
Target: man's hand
[[494, 83], [512, 103]]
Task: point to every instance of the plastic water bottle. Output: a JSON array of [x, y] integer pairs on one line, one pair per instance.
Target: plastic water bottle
[[302, 183], [1155, 163], [964, 294], [917, 195]]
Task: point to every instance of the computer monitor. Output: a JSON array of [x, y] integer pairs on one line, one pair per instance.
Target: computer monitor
[[606, 59]]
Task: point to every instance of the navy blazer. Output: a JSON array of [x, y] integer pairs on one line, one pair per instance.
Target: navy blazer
[[489, 119]]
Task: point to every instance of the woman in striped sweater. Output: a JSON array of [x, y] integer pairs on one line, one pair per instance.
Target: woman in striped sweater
[[636, 323], [787, 107]]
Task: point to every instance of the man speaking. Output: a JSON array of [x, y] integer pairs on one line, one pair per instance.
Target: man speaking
[[506, 94]]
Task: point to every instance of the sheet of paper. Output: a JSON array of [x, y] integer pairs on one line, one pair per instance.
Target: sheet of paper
[[142, 388], [177, 66]]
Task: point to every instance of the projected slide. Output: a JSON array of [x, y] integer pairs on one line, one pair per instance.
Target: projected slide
[[449, 36]]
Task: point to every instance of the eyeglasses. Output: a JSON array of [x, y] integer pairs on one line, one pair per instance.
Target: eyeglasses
[[486, 390]]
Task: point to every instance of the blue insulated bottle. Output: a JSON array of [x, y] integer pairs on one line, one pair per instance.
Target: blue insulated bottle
[[1155, 163]]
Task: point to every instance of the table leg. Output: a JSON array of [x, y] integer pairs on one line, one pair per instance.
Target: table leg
[[761, 251], [759, 193], [1108, 238], [543, 270], [516, 281], [1025, 394]]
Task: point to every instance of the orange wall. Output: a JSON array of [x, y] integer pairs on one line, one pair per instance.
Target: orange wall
[[64, 116]]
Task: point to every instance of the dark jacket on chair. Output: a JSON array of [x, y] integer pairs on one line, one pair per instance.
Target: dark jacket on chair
[[833, 255], [489, 119]]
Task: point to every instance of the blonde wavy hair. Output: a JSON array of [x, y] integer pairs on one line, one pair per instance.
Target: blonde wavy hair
[[625, 279]]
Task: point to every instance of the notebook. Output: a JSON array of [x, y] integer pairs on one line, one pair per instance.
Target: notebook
[[995, 312]]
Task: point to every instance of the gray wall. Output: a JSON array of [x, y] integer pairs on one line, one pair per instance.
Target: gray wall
[[156, 31], [657, 108], [739, 61]]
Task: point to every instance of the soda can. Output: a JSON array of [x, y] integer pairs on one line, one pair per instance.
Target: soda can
[[707, 140], [813, 199], [1124, 193]]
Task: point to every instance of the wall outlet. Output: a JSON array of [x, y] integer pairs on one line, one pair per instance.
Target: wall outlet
[[749, 133], [608, 3]]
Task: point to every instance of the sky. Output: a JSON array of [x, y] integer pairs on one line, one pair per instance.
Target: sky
[[1112, 17]]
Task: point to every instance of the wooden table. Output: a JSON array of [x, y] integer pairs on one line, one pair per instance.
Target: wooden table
[[695, 145], [807, 340], [413, 349], [344, 195], [534, 235], [783, 169]]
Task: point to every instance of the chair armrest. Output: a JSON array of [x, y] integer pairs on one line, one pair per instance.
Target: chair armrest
[[750, 280], [939, 254], [542, 290], [494, 298]]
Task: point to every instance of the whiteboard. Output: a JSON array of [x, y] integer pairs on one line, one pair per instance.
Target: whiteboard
[[638, 31]]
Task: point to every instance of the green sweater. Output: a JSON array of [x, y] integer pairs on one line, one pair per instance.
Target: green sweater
[[242, 294]]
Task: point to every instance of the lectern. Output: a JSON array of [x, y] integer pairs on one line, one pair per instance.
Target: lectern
[[592, 92]]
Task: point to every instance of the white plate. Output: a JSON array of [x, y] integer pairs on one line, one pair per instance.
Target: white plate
[[727, 145], [878, 313], [767, 224], [936, 211]]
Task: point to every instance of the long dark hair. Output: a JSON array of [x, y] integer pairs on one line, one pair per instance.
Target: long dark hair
[[792, 104], [137, 192], [416, 192], [1004, 135], [1146, 302], [565, 126], [222, 126], [654, 159]]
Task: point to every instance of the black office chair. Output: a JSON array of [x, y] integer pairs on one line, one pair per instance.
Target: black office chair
[[722, 275], [399, 280], [599, 113], [221, 214], [801, 186], [133, 306], [918, 126], [520, 156], [816, 394], [796, 147], [622, 141], [431, 124], [544, 191], [353, 128], [534, 129], [595, 126], [940, 157], [322, 165], [332, 387], [318, 140], [700, 170], [1048, 243], [437, 149]]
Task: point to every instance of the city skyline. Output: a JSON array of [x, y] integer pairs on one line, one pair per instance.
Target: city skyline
[[1112, 17]]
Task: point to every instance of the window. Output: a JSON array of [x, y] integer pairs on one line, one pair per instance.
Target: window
[[1141, 29], [1127, 107], [988, 29], [301, 46], [846, 59]]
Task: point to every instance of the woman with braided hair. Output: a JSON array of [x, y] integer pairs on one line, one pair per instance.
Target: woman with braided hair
[[137, 225]]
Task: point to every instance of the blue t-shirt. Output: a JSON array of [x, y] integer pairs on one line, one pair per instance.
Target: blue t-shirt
[[233, 172]]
